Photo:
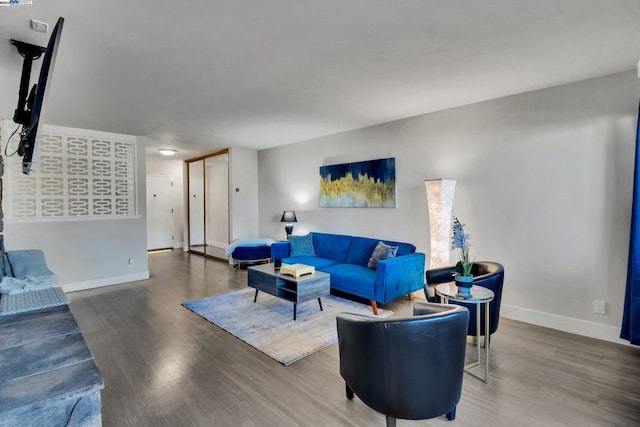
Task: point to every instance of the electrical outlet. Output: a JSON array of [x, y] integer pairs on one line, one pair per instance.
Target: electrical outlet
[[600, 306], [130, 261]]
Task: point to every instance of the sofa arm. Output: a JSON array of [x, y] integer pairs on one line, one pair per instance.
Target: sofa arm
[[399, 276], [280, 250]]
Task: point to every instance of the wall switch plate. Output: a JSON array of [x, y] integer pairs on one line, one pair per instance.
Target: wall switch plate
[[39, 26], [600, 306]]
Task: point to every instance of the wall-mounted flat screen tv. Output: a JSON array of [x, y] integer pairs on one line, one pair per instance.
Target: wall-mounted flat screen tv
[[31, 108]]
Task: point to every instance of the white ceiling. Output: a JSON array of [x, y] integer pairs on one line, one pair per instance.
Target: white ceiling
[[209, 74]]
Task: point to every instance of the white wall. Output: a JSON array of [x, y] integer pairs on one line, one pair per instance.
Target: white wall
[[544, 182], [243, 193], [90, 253], [174, 169]]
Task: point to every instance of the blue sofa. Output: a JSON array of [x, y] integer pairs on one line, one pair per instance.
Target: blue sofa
[[345, 258], [48, 376]]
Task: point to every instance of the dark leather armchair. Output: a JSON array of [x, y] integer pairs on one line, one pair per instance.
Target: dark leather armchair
[[408, 368], [485, 273]]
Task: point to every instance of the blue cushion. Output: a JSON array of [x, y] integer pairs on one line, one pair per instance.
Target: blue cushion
[[360, 250], [353, 279], [29, 301], [331, 246], [28, 263], [317, 262], [302, 245]]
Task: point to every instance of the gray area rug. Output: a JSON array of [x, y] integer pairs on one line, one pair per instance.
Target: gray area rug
[[268, 324]]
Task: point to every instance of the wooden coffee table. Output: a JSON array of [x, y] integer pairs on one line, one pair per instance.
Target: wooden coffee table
[[267, 279]]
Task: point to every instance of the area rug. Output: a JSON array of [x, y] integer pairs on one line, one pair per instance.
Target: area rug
[[268, 324]]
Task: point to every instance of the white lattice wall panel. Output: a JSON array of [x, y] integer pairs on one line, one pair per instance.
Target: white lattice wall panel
[[74, 176]]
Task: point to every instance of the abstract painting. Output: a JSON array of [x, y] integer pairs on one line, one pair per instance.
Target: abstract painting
[[369, 184]]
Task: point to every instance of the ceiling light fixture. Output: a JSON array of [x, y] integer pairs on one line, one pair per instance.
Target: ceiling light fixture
[[167, 151]]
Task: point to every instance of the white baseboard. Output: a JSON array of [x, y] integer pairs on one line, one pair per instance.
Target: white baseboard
[[563, 323], [106, 281]]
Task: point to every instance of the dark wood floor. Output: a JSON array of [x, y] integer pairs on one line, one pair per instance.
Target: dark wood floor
[[165, 366]]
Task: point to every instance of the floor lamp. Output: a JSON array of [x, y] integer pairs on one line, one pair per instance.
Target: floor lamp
[[440, 206]]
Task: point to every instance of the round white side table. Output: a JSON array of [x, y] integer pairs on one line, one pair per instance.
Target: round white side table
[[477, 295]]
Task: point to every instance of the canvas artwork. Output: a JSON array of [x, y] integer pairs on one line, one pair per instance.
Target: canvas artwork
[[369, 184]]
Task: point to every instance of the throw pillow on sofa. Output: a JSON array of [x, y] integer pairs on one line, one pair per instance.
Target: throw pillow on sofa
[[28, 263], [302, 245], [381, 251]]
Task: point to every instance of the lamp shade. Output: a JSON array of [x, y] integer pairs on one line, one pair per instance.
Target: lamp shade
[[288, 216], [440, 206]]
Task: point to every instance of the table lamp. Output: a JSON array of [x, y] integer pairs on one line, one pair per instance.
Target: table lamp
[[288, 217]]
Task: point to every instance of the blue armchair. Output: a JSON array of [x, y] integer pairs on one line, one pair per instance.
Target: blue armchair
[[408, 368], [485, 273]]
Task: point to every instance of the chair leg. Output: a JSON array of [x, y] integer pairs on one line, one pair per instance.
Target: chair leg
[[374, 307], [452, 414], [391, 422], [349, 391]]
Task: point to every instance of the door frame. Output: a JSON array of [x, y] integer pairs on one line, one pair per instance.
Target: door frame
[[204, 198]]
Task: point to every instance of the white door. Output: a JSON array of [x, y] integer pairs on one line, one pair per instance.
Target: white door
[[217, 203], [160, 223], [196, 206]]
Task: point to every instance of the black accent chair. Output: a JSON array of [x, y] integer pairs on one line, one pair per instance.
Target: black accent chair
[[485, 273], [408, 368]]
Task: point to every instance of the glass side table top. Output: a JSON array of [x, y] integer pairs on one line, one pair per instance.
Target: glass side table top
[[477, 294]]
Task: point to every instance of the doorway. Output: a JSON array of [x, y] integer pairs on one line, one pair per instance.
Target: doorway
[[160, 220], [208, 204]]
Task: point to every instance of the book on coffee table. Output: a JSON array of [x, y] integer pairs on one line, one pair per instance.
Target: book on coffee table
[[297, 270]]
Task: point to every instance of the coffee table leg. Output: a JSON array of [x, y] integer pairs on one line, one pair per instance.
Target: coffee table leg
[[295, 306], [320, 302], [255, 297]]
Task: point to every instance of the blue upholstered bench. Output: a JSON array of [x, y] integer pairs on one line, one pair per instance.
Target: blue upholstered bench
[[250, 251], [250, 255]]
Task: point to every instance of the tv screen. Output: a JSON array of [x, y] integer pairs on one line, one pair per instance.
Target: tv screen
[[36, 102]]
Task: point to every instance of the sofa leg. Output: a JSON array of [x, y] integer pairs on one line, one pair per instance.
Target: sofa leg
[[349, 391], [374, 307], [391, 422], [410, 296]]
